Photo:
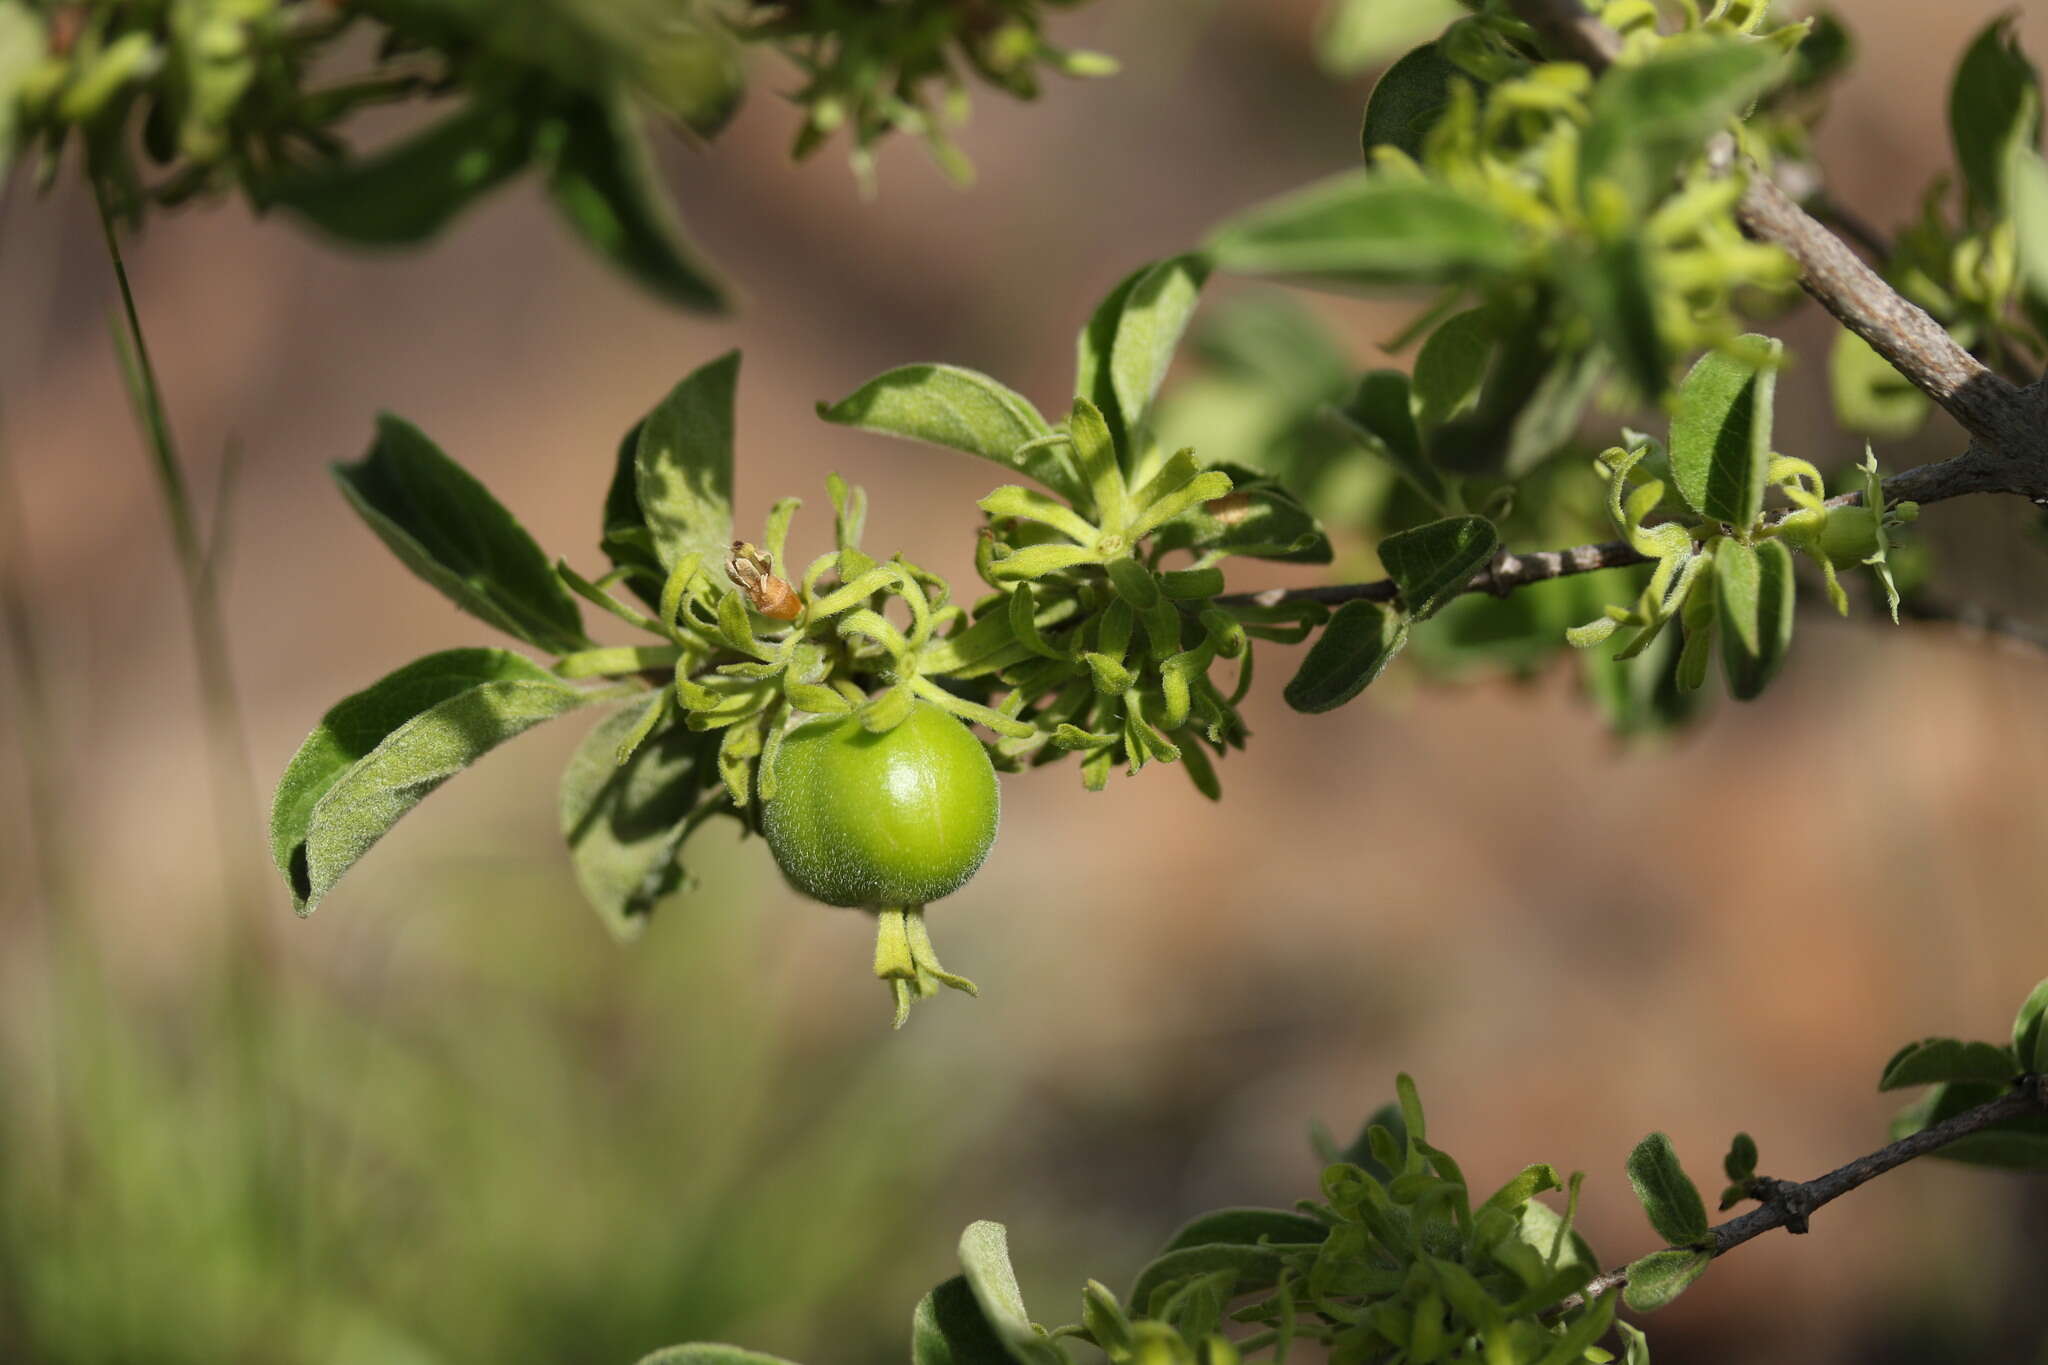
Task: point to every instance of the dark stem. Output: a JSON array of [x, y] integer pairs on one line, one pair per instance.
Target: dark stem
[[1974, 471], [1788, 1204]]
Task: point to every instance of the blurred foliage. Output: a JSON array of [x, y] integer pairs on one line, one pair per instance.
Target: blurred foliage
[[171, 99]]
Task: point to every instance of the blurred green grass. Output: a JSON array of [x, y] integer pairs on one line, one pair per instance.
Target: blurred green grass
[[423, 1153]]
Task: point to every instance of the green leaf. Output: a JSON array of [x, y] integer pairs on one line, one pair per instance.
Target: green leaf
[[2028, 190], [1740, 1163], [985, 1259], [2018, 1144], [2030, 1031], [1258, 520], [1356, 229], [1528, 406], [1754, 596], [1652, 117], [1721, 431], [1359, 641], [450, 531], [1994, 106], [409, 191], [1248, 1227], [1253, 1268], [625, 825], [1658, 1278], [1357, 34], [1407, 101], [709, 1353], [1379, 415], [949, 1329], [22, 46], [1431, 564], [1532, 1181], [626, 540], [1872, 398], [1615, 290], [1636, 1350], [683, 465], [377, 754], [1451, 365], [602, 179], [945, 405], [1934, 1060], [1668, 1196], [1122, 355]]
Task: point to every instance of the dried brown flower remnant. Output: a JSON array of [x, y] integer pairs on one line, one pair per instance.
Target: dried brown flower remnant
[[753, 571]]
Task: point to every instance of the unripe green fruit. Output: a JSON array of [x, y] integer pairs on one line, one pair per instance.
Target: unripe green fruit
[[897, 819], [1850, 536]]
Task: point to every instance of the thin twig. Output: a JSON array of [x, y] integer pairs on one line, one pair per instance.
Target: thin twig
[[234, 796], [1973, 471], [1788, 1204]]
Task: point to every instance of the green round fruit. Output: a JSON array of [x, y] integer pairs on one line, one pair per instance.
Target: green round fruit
[[1849, 537], [897, 819]]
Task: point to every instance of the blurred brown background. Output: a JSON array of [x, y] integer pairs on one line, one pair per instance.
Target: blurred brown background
[[1567, 944]]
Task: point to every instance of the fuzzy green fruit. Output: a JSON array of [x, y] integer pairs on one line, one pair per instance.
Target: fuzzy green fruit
[[879, 821], [887, 822], [1849, 537]]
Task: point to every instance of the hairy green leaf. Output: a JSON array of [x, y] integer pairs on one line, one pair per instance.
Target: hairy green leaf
[[1667, 1194], [1934, 1060], [945, 405], [1615, 290], [948, 1329], [626, 540], [1651, 117], [625, 824], [1122, 355], [377, 754], [1356, 229], [1408, 100], [1721, 431], [1358, 34], [1379, 415], [1451, 365], [602, 179], [1359, 641], [683, 465], [2030, 1031], [1258, 519], [985, 1260], [1994, 107], [709, 1353], [1740, 1163], [2028, 191], [1252, 1268], [1432, 563], [1247, 1227], [1755, 601], [450, 531], [22, 46], [1658, 1278], [408, 192]]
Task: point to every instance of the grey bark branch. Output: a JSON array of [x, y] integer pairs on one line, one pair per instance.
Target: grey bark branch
[[2009, 425], [1788, 1204]]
